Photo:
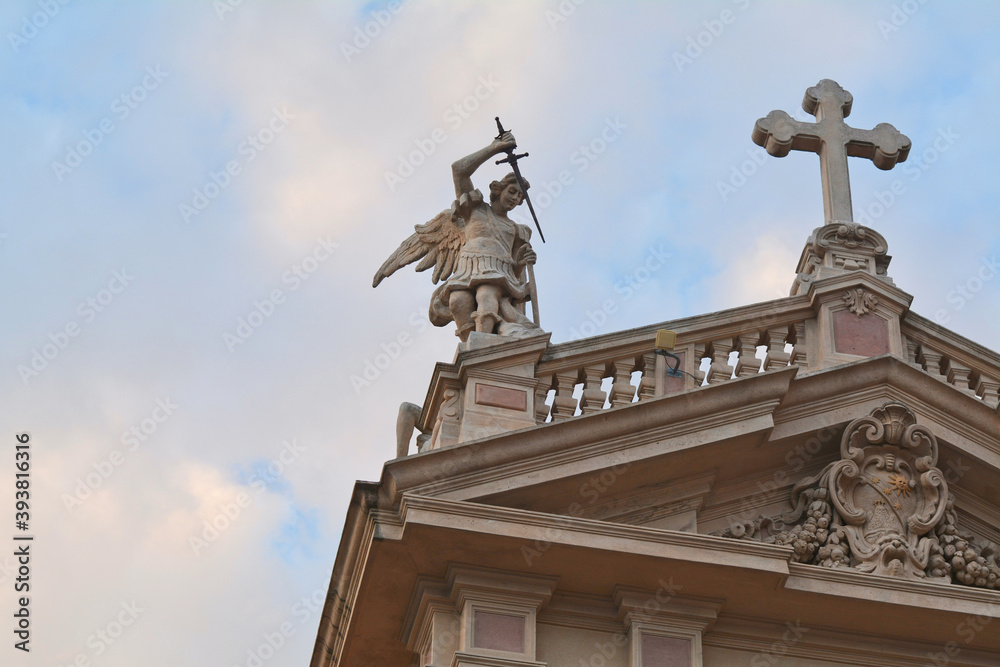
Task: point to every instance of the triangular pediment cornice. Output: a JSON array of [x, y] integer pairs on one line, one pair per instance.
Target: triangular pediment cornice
[[766, 408]]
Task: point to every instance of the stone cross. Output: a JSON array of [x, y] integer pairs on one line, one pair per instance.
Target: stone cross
[[834, 140]]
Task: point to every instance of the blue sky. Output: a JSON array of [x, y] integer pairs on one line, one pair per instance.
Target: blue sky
[[279, 128]]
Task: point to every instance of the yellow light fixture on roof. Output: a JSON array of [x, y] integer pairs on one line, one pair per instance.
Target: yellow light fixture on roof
[[666, 339]]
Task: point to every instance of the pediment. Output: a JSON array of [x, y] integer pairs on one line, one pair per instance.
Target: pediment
[[738, 454]]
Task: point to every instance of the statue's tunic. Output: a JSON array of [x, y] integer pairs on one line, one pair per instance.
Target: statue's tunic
[[486, 257]]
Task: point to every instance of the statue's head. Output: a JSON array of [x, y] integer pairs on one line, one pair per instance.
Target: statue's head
[[498, 188]]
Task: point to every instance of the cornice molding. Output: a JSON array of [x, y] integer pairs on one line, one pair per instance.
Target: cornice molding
[[690, 413], [872, 587], [864, 650], [537, 525]]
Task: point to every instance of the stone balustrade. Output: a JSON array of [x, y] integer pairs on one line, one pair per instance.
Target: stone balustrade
[[970, 368], [497, 387], [563, 382], [604, 372]]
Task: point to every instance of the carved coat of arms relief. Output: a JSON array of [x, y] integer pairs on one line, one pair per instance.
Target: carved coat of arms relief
[[883, 508], [888, 491]]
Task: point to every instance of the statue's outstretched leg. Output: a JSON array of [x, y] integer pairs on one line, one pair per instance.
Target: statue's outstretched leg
[[405, 423], [511, 313], [514, 323], [462, 304]]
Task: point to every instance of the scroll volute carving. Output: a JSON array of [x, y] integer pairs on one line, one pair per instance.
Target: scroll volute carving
[[888, 492], [883, 508]]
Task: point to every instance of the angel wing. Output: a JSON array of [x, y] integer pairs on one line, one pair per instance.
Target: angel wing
[[437, 244]]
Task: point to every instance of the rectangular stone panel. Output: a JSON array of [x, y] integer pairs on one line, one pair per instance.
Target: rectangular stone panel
[[671, 384], [498, 632], [501, 397], [660, 651], [865, 336]]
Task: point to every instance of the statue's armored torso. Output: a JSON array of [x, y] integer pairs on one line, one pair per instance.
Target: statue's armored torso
[[487, 256]]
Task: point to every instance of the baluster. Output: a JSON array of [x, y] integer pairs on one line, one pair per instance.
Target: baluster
[[647, 384], [930, 361], [720, 370], [592, 398], [541, 393], [911, 353], [800, 356], [699, 355], [958, 375], [987, 389], [748, 363], [776, 355], [564, 405], [623, 391]]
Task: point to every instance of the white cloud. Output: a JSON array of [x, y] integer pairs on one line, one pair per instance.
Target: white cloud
[[325, 175]]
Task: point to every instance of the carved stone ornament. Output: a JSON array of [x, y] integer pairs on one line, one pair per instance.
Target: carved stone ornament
[[838, 247], [883, 508], [849, 236], [859, 301]]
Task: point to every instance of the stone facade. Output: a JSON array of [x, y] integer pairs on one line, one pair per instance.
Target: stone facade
[[819, 487], [818, 484]]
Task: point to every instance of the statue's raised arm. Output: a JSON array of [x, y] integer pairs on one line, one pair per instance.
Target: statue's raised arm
[[463, 169], [479, 253]]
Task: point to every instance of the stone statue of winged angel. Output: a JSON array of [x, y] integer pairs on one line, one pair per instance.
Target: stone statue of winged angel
[[479, 253]]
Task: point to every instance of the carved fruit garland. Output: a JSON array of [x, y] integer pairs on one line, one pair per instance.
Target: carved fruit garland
[[883, 508]]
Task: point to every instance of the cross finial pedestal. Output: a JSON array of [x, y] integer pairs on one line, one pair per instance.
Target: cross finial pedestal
[[834, 141]]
